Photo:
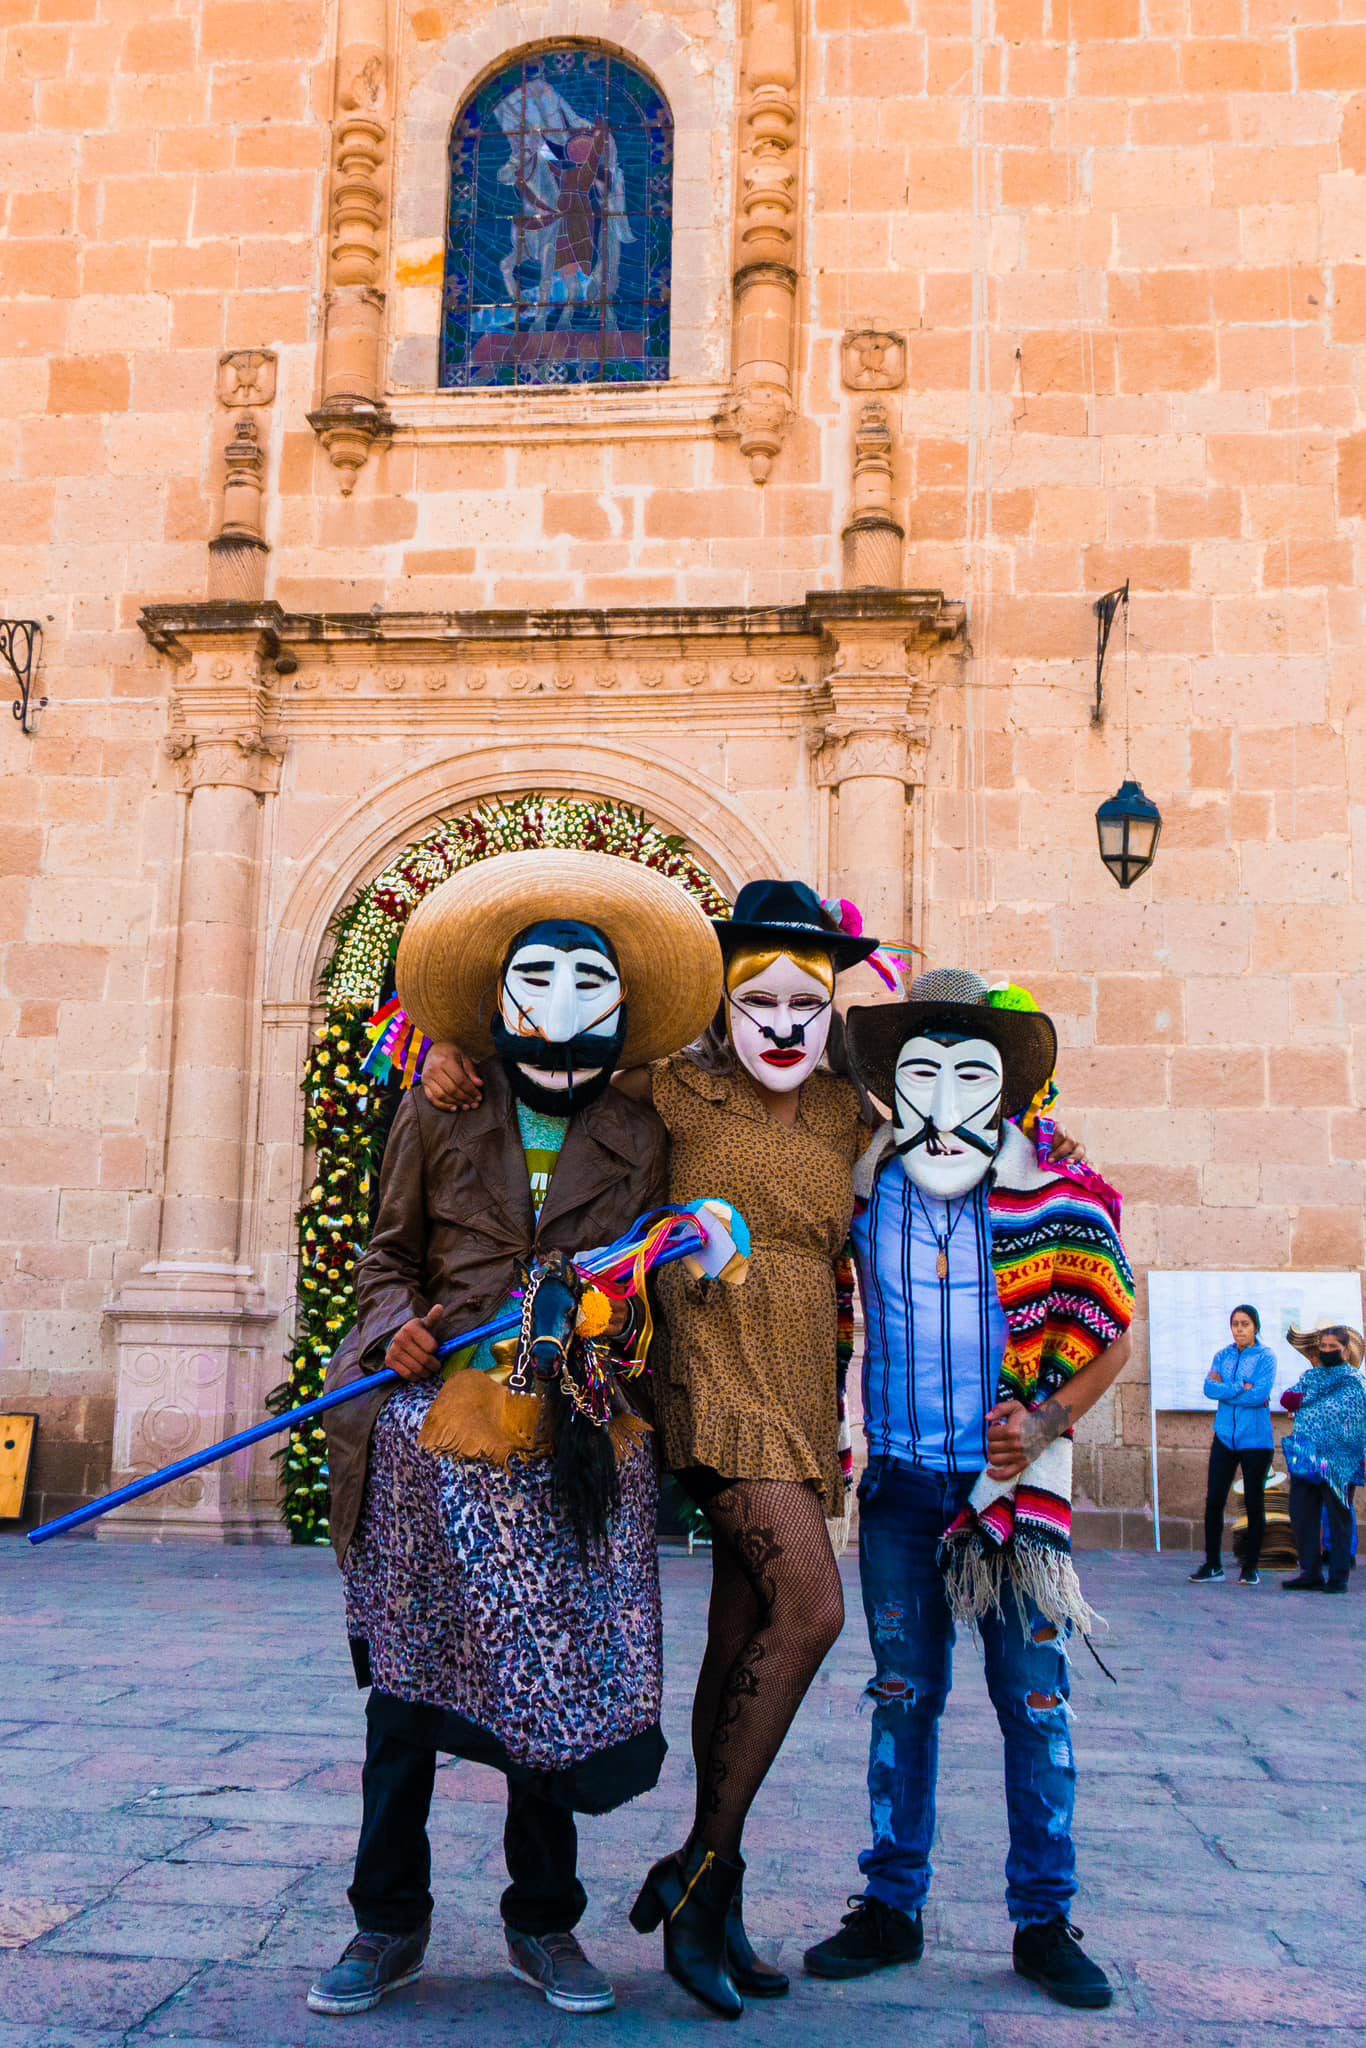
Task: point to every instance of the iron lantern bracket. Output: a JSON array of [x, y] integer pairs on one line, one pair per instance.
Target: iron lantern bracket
[[1105, 609], [21, 644]]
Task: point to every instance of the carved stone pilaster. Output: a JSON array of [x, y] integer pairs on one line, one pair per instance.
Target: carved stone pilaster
[[246, 760], [190, 1369], [855, 745], [765, 285], [873, 537], [238, 552], [352, 417]]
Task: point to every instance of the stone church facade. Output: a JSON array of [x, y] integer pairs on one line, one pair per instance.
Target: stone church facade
[[781, 513]]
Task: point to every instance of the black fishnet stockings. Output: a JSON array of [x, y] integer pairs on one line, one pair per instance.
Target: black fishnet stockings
[[776, 1608]]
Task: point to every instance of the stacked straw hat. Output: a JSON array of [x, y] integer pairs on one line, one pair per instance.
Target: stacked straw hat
[[456, 942]]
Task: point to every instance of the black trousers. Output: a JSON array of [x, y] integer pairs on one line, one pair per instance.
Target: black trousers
[[1310, 1499], [1223, 1463], [391, 1890]]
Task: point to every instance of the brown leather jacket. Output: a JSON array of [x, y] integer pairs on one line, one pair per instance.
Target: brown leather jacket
[[455, 1220]]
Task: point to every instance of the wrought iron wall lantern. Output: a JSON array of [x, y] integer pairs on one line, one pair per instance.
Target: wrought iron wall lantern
[[21, 644], [1128, 824]]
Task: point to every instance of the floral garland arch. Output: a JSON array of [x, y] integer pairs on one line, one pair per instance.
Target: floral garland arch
[[344, 1120]]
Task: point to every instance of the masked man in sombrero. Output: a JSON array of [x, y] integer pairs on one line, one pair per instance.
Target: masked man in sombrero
[[497, 1530], [996, 1301]]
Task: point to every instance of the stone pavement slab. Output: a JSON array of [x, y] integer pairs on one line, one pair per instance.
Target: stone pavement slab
[[179, 1793]]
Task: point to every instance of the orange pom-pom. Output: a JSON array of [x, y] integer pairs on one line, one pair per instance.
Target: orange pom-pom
[[595, 1313]]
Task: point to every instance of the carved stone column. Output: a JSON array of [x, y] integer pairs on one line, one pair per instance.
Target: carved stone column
[[871, 745], [190, 1330], [352, 416], [765, 235]]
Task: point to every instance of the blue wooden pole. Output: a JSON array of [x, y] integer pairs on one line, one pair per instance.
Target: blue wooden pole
[[275, 1425]]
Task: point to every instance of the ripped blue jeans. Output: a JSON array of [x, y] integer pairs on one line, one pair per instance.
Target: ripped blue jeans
[[903, 1511]]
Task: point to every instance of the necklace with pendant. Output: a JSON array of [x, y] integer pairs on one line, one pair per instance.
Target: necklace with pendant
[[941, 1237]]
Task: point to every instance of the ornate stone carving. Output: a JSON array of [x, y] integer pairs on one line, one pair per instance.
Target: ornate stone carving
[[243, 760], [190, 1367], [244, 462], [845, 748], [352, 417], [238, 551], [871, 360], [765, 283], [246, 376], [873, 537]]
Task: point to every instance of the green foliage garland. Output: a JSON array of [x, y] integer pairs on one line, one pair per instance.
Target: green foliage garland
[[343, 1122]]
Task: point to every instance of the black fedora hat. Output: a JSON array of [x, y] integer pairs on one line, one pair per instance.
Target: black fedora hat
[[952, 999], [788, 914]]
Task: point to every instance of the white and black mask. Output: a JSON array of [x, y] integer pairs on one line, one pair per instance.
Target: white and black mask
[[947, 1112], [561, 1020]]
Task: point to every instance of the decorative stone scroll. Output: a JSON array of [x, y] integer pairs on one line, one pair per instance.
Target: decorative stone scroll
[[352, 416], [765, 285]]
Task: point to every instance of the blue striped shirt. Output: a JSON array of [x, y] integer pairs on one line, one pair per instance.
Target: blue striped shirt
[[932, 1347]]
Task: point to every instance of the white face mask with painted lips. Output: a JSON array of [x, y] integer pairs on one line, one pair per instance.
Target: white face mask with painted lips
[[947, 1114], [779, 1022]]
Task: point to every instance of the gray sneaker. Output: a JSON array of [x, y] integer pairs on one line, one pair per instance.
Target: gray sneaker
[[370, 1966], [557, 1965]]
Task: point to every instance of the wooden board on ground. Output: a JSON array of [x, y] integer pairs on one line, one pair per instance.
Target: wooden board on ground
[[16, 1449]]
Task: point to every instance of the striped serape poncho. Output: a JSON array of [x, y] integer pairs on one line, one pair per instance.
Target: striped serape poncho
[[1068, 1294]]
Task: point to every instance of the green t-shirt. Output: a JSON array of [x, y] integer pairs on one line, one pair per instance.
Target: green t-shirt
[[542, 1141]]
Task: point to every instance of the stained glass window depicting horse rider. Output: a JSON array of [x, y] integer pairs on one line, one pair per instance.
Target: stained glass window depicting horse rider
[[559, 239]]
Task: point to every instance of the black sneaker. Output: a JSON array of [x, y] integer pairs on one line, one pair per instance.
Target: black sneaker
[[1303, 1582], [1248, 1577], [1051, 1956], [369, 1968], [1207, 1575], [556, 1965], [874, 1936], [1336, 1586]]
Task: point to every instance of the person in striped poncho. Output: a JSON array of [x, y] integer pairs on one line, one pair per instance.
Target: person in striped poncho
[[997, 1300]]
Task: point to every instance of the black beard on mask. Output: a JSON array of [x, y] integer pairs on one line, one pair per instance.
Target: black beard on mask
[[595, 1054]]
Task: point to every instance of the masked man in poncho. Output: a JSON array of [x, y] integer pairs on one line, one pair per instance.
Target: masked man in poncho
[[996, 1302], [496, 1528]]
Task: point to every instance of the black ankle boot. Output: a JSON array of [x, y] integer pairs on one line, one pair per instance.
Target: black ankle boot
[[691, 1893], [751, 1976]]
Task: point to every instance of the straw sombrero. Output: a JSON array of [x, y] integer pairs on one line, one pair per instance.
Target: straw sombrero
[[1306, 1341], [454, 945]]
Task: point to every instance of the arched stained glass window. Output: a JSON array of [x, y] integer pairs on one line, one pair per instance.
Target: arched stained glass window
[[559, 239]]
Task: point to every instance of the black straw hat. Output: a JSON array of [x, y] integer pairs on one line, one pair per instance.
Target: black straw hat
[[952, 999], [788, 914]]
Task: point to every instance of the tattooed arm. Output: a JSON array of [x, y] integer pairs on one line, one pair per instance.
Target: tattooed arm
[[1016, 1434]]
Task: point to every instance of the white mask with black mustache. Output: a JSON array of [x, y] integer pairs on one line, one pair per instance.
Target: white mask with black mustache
[[947, 1112]]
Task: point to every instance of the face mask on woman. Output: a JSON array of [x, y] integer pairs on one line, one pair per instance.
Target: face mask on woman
[[778, 1015]]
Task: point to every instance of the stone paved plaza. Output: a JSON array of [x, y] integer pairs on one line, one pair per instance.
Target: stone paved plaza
[[179, 1750]]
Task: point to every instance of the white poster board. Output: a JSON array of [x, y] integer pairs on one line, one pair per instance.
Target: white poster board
[[1188, 1322]]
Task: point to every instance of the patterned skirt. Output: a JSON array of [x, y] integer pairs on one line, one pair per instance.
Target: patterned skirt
[[464, 1583]]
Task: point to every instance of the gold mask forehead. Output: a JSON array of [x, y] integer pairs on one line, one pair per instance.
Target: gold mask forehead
[[748, 961]]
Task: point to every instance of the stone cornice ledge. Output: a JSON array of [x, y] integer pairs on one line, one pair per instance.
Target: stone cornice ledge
[[623, 412], [924, 615]]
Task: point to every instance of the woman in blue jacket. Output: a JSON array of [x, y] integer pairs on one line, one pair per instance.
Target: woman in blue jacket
[[1240, 1380]]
